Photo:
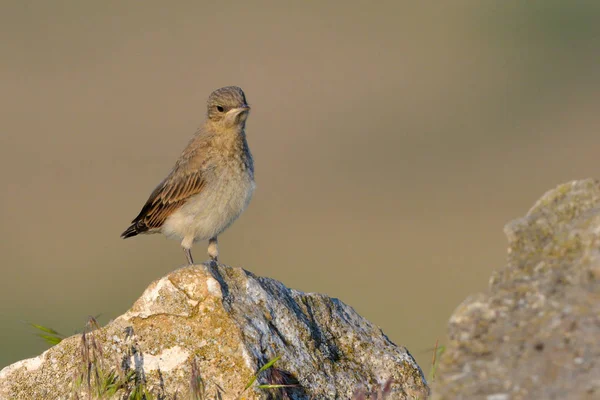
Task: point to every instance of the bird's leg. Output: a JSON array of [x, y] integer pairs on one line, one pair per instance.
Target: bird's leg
[[213, 250], [188, 255]]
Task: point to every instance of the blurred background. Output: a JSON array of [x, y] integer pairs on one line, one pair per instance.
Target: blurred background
[[392, 142]]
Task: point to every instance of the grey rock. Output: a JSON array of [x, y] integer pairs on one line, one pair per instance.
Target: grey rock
[[205, 330], [536, 333]]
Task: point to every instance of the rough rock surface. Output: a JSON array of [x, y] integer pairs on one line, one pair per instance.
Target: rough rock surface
[[203, 332], [536, 333]]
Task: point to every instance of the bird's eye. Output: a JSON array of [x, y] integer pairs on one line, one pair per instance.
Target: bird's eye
[[220, 108]]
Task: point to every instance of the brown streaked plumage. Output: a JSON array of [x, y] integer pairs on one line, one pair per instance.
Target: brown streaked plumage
[[211, 183], [166, 198]]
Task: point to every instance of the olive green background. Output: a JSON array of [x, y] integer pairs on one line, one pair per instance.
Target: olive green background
[[392, 141]]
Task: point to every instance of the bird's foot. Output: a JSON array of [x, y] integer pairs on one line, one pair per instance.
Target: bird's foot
[[188, 256]]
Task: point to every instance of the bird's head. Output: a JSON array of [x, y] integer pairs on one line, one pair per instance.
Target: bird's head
[[228, 107]]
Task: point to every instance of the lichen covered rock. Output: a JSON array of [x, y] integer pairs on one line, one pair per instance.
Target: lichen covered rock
[[205, 331], [536, 333]]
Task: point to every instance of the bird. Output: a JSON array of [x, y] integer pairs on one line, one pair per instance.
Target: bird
[[211, 183]]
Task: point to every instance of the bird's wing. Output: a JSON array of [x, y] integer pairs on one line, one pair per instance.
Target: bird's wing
[[185, 180], [171, 194]]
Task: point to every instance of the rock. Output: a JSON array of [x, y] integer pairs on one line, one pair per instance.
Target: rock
[[204, 331], [536, 333]]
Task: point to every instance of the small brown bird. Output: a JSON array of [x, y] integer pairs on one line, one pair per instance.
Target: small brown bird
[[211, 183]]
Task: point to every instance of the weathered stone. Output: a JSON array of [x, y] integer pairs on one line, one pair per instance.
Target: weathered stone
[[224, 323], [536, 333]]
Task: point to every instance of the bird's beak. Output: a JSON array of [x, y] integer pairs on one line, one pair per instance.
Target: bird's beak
[[239, 110], [236, 115]]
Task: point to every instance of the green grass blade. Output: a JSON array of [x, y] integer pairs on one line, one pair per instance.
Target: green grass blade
[[51, 340], [274, 386], [263, 368], [249, 383], [268, 365], [49, 335], [43, 329], [438, 351]]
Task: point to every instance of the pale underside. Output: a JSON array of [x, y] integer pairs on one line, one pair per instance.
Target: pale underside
[[208, 213]]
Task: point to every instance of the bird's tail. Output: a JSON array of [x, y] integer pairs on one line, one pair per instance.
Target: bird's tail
[[133, 230]]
